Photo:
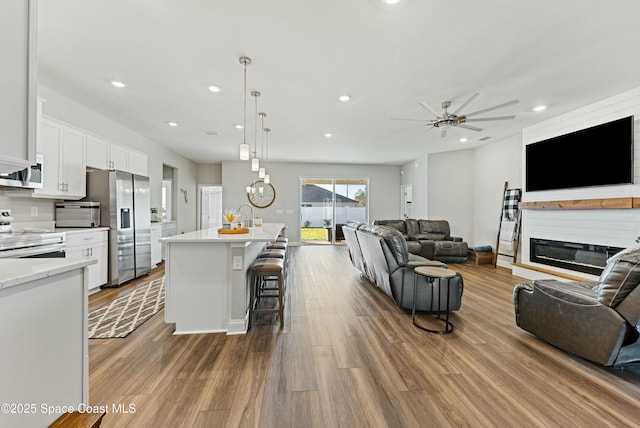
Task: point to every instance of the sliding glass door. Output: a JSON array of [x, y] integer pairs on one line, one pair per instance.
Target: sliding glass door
[[328, 203]]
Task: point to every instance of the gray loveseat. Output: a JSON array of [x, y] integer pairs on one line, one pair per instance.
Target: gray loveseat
[[430, 239], [598, 321], [381, 254]]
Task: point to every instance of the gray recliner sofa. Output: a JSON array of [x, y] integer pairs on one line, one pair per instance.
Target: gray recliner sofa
[[431, 239], [380, 253], [598, 321]]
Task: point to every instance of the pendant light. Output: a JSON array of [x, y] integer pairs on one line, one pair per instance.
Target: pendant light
[[262, 171], [267, 177], [244, 147], [255, 163]]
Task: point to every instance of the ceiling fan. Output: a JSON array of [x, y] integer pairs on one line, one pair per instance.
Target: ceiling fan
[[446, 120]]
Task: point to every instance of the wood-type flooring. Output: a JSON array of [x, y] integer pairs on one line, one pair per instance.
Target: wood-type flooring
[[348, 357]]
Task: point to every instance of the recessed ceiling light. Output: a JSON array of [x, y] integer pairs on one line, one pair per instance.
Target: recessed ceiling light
[[328, 135], [344, 98], [391, 1], [464, 139], [540, 108], [214, 88], [239, 126], [174, 124], [118, 84]]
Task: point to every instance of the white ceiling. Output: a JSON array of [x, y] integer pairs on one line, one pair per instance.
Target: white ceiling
[[306, 53]]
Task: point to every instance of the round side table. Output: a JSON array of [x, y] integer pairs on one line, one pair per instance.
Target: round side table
[[432, 273]]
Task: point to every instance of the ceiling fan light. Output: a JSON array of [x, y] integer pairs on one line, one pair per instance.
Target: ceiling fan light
[[255, 164], [244, 152]]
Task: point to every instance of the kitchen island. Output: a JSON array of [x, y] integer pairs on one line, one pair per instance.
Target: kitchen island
[[44, 360], [206, 278]]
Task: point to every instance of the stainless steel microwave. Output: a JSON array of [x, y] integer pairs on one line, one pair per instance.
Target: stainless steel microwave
[[28, 178]]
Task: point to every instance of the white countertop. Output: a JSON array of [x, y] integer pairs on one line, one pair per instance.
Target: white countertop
[[14, 272], [80, 229], [268, 232]]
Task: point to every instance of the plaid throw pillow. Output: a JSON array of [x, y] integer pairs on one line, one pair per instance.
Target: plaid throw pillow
[[511, 200]]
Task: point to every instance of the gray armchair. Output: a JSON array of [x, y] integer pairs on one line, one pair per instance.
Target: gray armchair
[[597, 321]]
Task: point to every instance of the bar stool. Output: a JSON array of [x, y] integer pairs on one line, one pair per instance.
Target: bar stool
[[277, 245], [273, 253], [262, 271], [278, 254]]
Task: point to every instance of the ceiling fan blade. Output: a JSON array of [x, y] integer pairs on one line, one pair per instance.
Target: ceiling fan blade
[[430, 109], [481, 119], [402, 118], [493, 108], [472, 128], [409, 128], [444, 133], [471, 99]]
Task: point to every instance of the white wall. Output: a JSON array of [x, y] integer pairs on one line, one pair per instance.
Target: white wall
[[384, 189], [74, 113], [465, 187], [209, 173], [451, 191], [415, 174], [495, 163]]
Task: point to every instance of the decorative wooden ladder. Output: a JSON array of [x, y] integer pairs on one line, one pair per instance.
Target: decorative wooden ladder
[[516, 240]]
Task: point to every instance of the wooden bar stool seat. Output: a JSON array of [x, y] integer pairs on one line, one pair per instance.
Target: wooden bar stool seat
[[262, 272], [273, 253], [277, 245]]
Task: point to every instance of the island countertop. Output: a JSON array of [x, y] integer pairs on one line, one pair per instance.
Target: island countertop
[[14, 272], [268, 232]]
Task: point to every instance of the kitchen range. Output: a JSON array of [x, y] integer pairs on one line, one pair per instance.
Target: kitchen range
[[28, 243]]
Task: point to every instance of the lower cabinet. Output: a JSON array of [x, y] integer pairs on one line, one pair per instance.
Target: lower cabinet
[[90, 244], [156, 244]]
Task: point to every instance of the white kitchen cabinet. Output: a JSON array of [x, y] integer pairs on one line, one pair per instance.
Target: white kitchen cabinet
[[63, 151], [18, 85], [156, 243], [138, 163], [169, 228], [102, 154], [98, 153], [90, 244]]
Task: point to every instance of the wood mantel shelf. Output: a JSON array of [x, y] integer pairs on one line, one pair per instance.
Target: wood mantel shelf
[[583, 204]]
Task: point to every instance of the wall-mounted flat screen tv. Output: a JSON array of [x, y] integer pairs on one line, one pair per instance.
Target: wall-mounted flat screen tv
[[598, 156]]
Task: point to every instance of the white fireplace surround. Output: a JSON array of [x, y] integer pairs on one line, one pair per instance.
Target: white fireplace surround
[[609, 227]]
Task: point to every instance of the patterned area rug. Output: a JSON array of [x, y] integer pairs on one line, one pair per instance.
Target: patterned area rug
[[126, 313]]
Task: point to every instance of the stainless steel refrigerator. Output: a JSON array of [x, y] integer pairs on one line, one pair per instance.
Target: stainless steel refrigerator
[[124, 208]]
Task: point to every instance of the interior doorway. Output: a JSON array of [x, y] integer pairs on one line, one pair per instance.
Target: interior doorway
[[210, 209], [326, 204], [407, 197]]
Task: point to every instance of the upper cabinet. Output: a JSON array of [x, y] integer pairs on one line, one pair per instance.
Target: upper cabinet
[[63, 170], [102, 154], [18, 84], [138, 163]]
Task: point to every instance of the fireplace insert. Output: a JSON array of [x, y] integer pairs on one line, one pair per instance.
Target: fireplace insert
[[587, 258]]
